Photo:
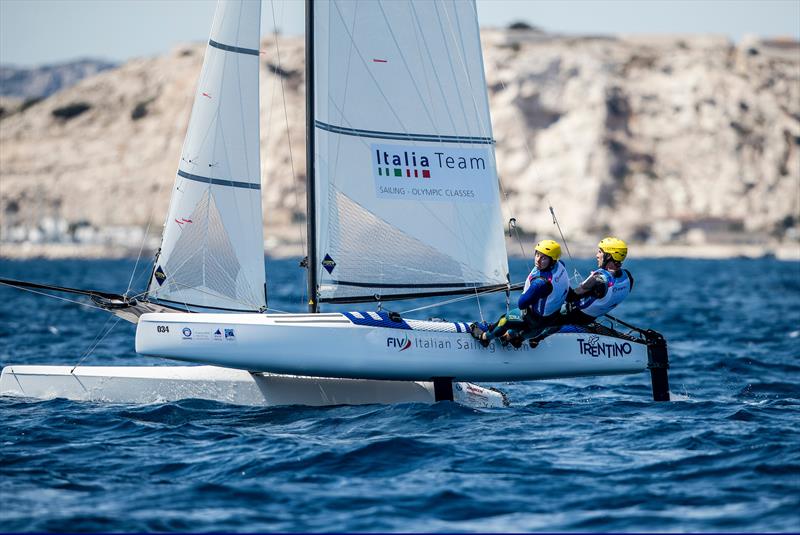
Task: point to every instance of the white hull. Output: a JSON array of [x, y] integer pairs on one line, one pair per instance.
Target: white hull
[[159, 384], [365, 346]]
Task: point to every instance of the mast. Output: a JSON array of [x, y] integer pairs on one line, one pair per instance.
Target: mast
[[311, 207]]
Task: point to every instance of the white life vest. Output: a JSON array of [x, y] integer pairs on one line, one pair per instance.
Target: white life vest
[[618, 289], [560, 280]]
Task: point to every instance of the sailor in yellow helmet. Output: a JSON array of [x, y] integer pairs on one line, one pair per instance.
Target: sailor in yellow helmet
[[545, 291], [604, 288]]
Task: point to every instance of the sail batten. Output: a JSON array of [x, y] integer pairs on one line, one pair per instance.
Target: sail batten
[[405, 178], [403, 136], [236, 49], [218, 181]]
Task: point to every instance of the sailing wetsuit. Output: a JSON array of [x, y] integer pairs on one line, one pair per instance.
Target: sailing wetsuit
[[541, 299]]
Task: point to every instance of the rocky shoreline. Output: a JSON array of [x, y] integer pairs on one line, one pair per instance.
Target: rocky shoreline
[[59, 251]]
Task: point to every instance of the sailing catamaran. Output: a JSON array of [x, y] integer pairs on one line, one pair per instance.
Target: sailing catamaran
[[403, 203]]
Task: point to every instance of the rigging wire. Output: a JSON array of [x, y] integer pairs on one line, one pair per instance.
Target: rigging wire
[[563, 239], [451, 301], [576, 275], [333, 181], [478, 301], [141, 247], [150, 218], [529, 153], [289, 140], [98, 338], [144, 239], [512, 226], [55, 297], [513, 222], [286, 119]]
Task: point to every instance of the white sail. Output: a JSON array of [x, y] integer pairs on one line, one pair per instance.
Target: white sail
[[406, 185], [212, 253]]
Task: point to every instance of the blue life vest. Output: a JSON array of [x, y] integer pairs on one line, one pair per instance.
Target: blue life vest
[[617, 290]]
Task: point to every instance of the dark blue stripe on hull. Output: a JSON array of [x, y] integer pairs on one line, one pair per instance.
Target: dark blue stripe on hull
[[229, 48], [367, 320], [402, 136], [218, 181]]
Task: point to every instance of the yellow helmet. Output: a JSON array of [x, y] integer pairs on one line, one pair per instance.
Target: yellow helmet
[[550, 248], [614, 247]]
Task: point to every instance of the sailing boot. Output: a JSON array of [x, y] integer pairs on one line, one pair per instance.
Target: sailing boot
[[515, 340], [478, 334], [510, 337], [542, 335]]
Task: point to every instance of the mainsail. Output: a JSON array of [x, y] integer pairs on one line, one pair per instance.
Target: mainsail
[[212, 253], [407, 198]]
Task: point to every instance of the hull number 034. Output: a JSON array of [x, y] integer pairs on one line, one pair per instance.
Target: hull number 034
[[162, 328]]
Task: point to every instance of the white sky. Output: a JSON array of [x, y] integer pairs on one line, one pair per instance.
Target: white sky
[[37, 32]]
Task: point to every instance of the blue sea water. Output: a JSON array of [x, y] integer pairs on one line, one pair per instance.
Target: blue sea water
[[591, 454]]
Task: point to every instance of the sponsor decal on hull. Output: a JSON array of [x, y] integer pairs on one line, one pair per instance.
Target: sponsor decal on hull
[[593, 347], [199, 334], [401, 344], [475, 391], [432, 343]]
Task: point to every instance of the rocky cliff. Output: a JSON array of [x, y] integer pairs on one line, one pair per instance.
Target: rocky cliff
[[662, 140]]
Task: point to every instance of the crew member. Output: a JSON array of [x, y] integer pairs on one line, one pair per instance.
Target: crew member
[[604, 288], [539, 304]]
